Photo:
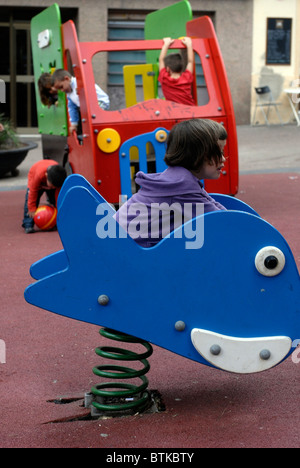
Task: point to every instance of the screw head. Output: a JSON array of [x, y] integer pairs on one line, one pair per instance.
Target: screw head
[[103, 299], [265, 354], [179, 325], [215, 350]]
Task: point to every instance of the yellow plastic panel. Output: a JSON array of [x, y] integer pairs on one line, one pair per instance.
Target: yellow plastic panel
[[147, 73]]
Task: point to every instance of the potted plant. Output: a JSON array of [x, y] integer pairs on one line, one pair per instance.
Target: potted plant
[[12, 150]]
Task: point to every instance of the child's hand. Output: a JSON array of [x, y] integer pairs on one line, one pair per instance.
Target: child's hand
[[168, 41], [1, 128], [187, 41], [72, 128]]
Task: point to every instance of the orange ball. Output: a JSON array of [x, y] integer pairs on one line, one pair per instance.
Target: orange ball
[[45, 217]]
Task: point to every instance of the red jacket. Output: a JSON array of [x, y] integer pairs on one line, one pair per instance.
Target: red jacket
[[37, 181]]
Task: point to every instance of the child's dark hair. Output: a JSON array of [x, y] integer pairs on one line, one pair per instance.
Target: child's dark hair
[[60, 74], [220, 130], [192, 142], [56, 175], [45, 82], [174, 62]]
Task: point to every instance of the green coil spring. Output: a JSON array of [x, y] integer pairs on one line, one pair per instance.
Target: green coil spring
[[126, 396]]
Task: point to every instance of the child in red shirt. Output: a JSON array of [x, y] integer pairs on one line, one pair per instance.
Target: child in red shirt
[[44, 176], [176, 83]]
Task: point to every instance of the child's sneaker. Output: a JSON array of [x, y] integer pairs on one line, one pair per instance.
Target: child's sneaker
[[29, 230]]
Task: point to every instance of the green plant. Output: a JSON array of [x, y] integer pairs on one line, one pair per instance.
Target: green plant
[[8, 136]]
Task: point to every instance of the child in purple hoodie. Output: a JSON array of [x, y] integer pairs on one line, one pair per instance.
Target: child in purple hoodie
[[168, 199]]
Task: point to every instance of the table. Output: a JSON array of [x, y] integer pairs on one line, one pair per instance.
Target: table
[[294, 99]]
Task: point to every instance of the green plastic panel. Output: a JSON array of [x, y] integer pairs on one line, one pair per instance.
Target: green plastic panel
[[47, 52], [167, 22]]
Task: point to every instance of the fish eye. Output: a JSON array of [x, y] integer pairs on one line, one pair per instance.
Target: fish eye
[[269, 261]]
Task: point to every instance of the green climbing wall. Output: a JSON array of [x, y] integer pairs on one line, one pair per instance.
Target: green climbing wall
[[47, 55]]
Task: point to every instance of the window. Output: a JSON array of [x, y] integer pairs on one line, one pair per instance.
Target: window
[[124, 31]]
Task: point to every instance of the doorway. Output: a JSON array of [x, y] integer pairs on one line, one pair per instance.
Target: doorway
[[16, 71]]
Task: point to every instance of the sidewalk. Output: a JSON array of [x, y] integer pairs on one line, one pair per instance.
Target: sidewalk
[[269, 149], [261, 150]]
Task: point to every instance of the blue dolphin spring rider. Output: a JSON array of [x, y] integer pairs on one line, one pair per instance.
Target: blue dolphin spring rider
[[232, 305]]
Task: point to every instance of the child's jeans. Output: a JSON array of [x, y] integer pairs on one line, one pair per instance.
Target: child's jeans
[[27, 221]]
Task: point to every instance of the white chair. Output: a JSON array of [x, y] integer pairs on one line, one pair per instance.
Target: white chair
[[264, 99]]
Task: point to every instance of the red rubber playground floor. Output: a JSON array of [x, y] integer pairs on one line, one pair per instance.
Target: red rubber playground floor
[[49, 360]]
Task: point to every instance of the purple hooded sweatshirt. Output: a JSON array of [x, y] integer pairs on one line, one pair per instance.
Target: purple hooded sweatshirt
[[164, 201]]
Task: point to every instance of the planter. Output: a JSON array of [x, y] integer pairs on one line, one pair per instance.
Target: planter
[[11, 158]]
